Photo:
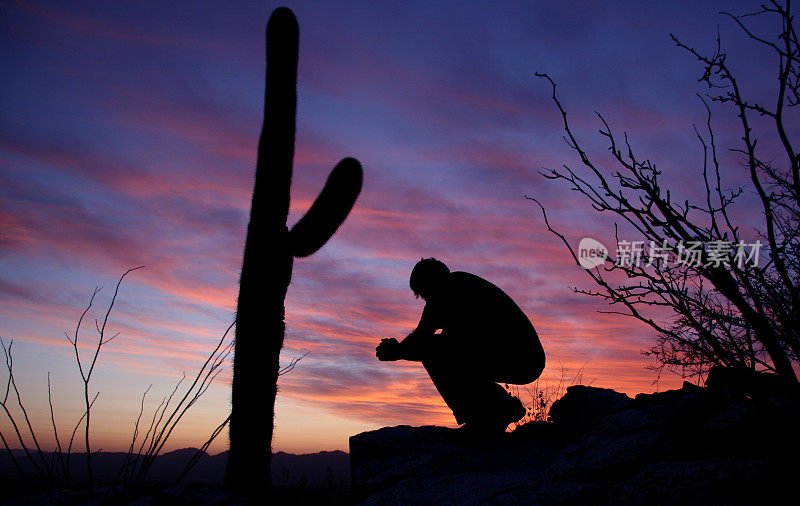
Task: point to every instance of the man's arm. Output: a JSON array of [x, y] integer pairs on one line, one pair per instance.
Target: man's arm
[[412, 347]]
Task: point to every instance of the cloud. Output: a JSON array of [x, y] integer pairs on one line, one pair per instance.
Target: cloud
[[131, 138]]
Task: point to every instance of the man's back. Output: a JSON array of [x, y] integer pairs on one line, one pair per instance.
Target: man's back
[[484, 321], [472, 304]]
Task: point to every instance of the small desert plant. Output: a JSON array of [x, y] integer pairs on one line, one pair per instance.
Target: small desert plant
[[143, 450], [540, 395]]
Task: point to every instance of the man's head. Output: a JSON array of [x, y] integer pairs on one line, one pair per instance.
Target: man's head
[[427, 277]]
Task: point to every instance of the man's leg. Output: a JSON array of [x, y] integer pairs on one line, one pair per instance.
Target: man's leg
[[465, 386], [514, 359]]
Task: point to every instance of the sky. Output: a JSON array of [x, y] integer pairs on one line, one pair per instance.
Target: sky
[[128, 137]]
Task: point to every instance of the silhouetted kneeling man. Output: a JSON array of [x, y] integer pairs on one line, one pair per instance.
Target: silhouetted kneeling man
[[485, 339]]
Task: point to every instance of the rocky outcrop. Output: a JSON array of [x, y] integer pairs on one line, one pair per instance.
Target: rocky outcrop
[[685, 446]]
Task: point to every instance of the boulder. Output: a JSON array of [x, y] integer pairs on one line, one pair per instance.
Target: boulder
[[583, 407], [600, 447], [441, 466]]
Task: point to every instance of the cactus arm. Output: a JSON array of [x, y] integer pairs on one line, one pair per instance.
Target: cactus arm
[[329, 210]]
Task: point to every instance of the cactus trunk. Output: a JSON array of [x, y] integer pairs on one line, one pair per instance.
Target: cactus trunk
[[270, 249], [266, 269]]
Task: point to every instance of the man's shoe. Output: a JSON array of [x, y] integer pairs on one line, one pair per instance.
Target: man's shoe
[[497, 422]]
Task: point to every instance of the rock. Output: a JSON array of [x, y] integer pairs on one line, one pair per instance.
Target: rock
[[604, 457], [440, 465], [601, 447], [583, 407], [740, 383]]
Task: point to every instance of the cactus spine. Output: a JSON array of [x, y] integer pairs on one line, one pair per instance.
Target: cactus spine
[[269, 252]]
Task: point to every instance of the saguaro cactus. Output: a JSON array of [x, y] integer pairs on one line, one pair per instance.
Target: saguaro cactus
[[268, 256]]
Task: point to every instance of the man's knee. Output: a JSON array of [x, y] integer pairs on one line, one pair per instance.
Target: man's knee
[[521, 375]]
